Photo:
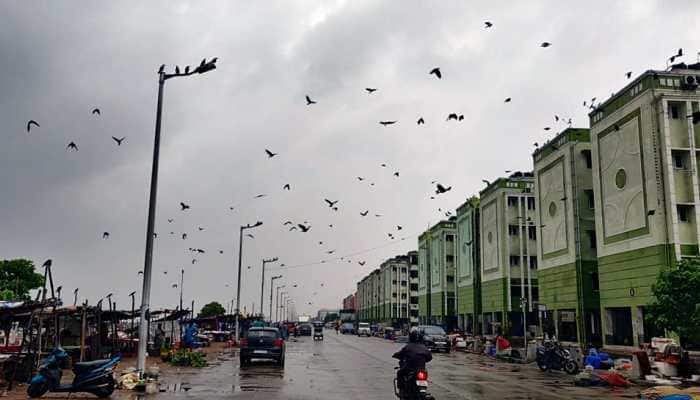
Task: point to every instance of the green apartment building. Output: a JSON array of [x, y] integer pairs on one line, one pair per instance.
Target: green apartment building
[[645, 176], [468, 267], [508, 253], [437, 285], [567, 265]]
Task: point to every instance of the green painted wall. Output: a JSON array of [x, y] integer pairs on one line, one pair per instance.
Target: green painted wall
[[423, 306], [436, 303], [493, 295], [465, 300], [626, 278], [558, 287]]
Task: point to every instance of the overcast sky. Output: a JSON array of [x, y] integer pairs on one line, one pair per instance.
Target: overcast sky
[[61, 59]]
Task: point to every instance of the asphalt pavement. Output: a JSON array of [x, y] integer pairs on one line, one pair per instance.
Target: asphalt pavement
[[349, 367]]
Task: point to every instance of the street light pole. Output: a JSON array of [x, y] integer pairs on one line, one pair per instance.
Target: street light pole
[[238, 286], [182, 282], [272, 286], [262, 285], [277, 303], [281, 306], [150, 225]]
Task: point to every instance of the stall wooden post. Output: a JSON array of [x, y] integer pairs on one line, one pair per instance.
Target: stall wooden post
[[83, 326]]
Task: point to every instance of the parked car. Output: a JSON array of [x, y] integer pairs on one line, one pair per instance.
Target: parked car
[[434, 338], [305, 329], [263, 343], [347, 327], [363, 329]]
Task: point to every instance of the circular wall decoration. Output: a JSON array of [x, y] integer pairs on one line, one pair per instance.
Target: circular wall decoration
[[621, 178], [552, 209], [489, 237], [632, 292]]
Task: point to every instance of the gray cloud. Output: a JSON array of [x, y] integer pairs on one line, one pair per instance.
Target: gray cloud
[[62, 59]]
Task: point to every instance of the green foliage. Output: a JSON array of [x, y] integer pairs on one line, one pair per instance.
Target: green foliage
[[211, 310], [188, 358], [331, 317], [17, 278], [677, 304]]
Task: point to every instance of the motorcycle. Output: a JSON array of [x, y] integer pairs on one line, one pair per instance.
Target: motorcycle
[[411, 385], [553, 356], [95, 377]]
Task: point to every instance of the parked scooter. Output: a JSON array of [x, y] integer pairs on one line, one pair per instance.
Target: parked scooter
[[553, 356], [411, 386], [96, 377]]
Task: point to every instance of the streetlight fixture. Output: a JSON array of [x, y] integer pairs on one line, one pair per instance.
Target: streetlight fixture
[[277, 302], [262, 284], [203, 67], [286, 313], [281, 306], [272, 286], [238, 286]]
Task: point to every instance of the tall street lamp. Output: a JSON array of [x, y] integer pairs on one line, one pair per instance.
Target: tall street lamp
[[238, 286], [203, 67], [281, 306], [262, 284], [277, 302], [272, 287], [286, 312]]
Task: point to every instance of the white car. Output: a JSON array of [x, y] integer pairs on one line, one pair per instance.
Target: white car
[[363, 329]]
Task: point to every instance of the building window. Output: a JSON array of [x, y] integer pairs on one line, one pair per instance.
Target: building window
[[393, 282], [403, 270], [403, 296], [449, 258], [450, 279], [393, 269], [587, 156], [533, 262], [393, 295], [513, 230], [592, 239], [674, 112], [678, 161], [512, 201], [514, 261], [682, 214], [449, 238], [590, 198], [403, 283], [530, 203], [532, 233]]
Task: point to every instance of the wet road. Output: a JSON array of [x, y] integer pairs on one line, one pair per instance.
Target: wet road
[[348, 367]]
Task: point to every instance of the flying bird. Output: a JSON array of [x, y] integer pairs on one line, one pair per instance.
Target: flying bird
[[177, 69], [396, 174], [304, 228], [250, 236], [309, 101], [139, 273], [364, 214], [331, 203], [174, 285], [452, 116], [184, 206], [383, 165], [170, 220], [221, 252], [287, 187], [362, 262], [486, 182], [679, 54], [546, 128], [507, 100], [545, 44], [420, 121], [320, 243], [330, 251], [96, 111], [378, 215], [72, 146], [436, 71], [187, 69], [119, 141], [370, 90], [184, 236], [488, 24], [105, 235], [359, 178], [293, 228], [441, 189], [270, 154], [200, 228], [628, 74], [259, 196], [386, 123], [288, 223], [399, 227], [30, 123]]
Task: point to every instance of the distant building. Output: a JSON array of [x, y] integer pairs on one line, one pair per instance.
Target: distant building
[[322, 313], [413, 287], [568, 268], [468, 267], [437, 286], [645, 142], [508, 254], [350, 302]]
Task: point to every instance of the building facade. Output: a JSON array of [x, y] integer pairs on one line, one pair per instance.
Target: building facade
[[509, 292], [413, 287], [645, 176], [567, 268], [468, 267], [350, 302], [437, 287]]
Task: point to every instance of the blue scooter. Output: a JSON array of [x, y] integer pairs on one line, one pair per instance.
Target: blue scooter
[[94, 377]]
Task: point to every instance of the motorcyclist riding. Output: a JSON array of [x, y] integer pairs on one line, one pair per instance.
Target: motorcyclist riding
[[413, 357]]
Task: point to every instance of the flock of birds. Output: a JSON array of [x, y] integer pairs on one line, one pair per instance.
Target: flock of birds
[[304, 227]]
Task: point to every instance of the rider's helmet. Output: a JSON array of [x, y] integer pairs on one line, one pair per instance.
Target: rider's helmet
[[413, 335]]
